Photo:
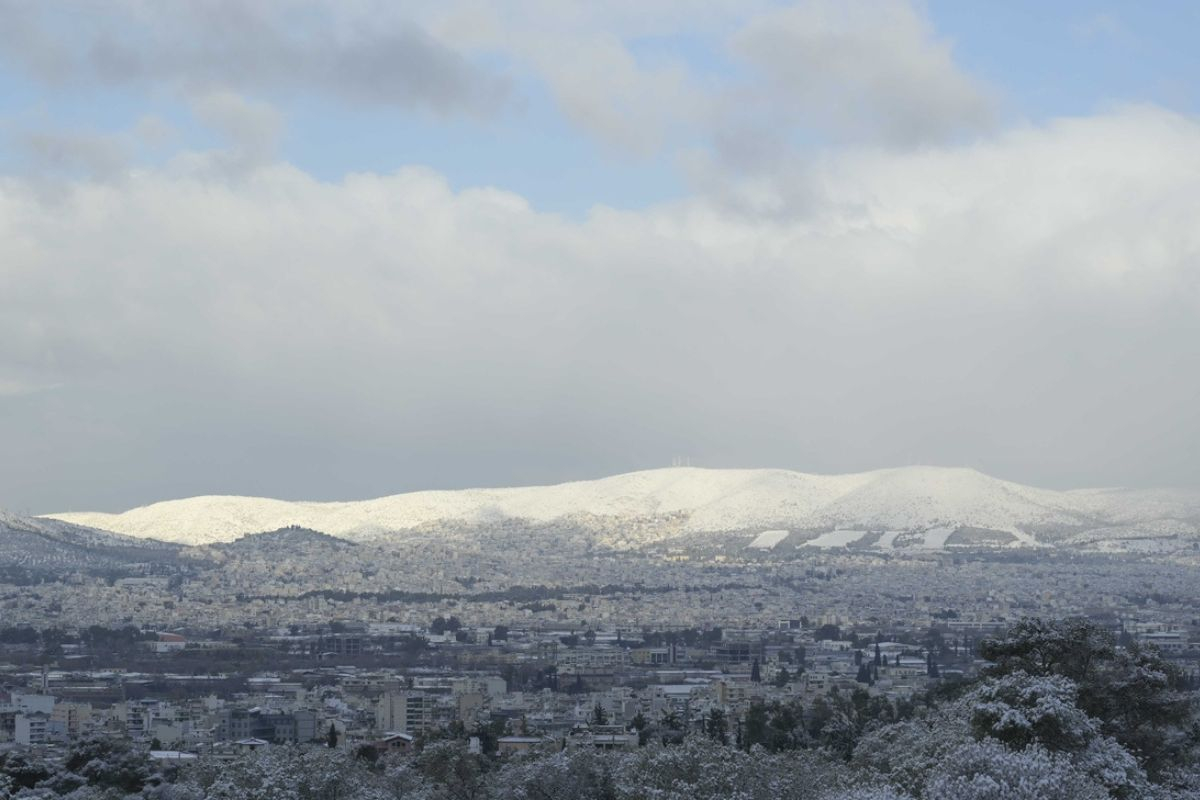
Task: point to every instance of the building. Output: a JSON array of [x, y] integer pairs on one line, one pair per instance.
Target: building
[[394, 743], [74, 718], [507, 745], [404, 712], [32, 728], [234, 724]]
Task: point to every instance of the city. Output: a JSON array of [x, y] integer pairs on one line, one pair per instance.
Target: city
[[567, 400], [304, 643]]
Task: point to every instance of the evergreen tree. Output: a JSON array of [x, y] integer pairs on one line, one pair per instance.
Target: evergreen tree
[[715, 726], [756, 726], [331, 738], [642, 726], [755, 672]]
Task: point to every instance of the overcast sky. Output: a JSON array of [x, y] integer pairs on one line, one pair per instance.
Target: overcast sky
[[336, 250]]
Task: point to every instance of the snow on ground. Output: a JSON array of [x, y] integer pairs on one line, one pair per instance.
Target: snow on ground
[[836, 539], [935, 538], [888, 540], [768, 539]]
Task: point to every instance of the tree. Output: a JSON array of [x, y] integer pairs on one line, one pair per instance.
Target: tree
[[755, 731], [828, 632], [599, 715], [331, 738], [642, 726], [1134, 693], [109, 763], [782, 677], [1073, 648], [1022, 710], [755, 672], [716, 727]]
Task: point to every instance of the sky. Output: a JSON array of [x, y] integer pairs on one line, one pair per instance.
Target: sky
[[338, 250]]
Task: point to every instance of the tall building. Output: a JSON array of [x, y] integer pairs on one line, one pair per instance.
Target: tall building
[[404, 712], [32, 728]]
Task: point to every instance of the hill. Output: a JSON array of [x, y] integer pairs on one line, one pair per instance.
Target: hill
[[32, 547]]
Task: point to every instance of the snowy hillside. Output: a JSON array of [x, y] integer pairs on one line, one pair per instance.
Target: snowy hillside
[[64, 530], [43, 547], [675, 501]]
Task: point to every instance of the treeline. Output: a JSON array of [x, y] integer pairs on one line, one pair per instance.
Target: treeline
[[97, 638]]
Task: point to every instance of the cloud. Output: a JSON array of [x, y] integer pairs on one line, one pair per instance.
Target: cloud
[[594, 59], [248, 47], [1103, 25], [13, 387], [616, 71], [601, 88], [252, 128], [101, 156], [862, 71], [1025, 303]]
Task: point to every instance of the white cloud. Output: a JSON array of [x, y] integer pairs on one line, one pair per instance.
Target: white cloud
[[242, 336], [602, 89], [252, 128]]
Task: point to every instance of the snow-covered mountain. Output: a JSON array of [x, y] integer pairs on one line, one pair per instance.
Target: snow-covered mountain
[[37, 545], [641, 507]]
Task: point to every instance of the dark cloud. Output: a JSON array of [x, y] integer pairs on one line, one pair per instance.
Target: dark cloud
[[201, 46], [860, 71]]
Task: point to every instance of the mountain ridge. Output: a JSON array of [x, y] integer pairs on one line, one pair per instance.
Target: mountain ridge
[[678, 500]]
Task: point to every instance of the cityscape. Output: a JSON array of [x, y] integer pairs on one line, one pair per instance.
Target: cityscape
[[553, 400]]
